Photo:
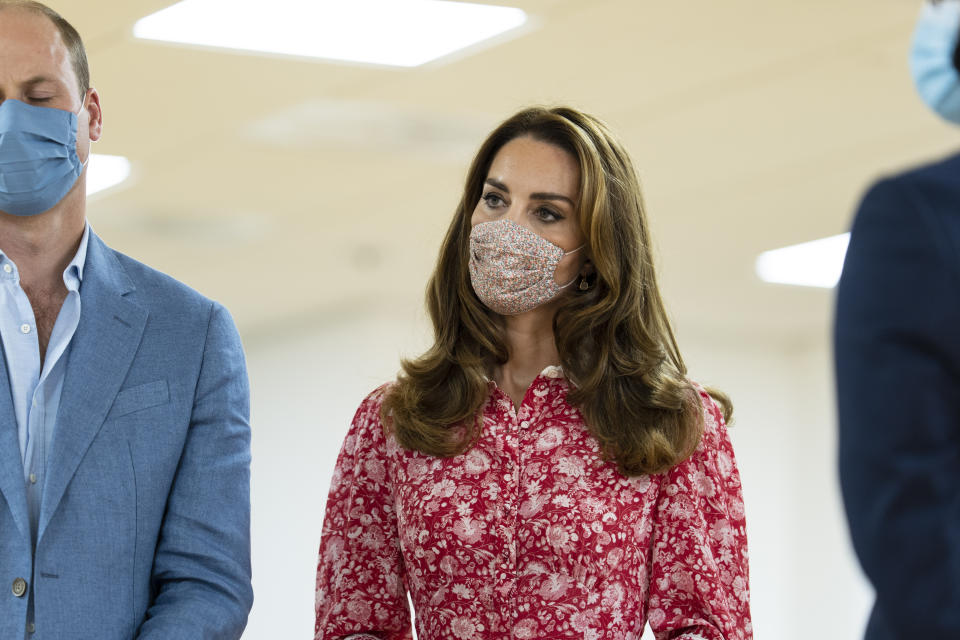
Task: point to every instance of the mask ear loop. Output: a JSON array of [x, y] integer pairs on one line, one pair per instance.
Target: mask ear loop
[[564, 286], [83, 104]]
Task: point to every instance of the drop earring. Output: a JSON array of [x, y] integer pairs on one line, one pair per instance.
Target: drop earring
[[584, 285]]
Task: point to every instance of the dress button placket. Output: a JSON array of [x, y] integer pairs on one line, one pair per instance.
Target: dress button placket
[[507, 572]]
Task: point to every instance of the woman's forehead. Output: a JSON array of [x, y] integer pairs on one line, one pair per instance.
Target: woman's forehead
[[527, 165]]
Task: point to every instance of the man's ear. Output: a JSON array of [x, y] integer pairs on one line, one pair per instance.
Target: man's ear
[[95, 115]]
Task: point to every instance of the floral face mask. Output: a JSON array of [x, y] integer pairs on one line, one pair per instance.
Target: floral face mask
[[512, 269]]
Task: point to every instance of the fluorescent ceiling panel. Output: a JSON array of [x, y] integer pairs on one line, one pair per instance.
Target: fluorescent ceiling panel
[[403, 33], [105, 172], [812, 264]]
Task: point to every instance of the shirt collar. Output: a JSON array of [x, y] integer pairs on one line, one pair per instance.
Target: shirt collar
[[74, 270], [73, 274]]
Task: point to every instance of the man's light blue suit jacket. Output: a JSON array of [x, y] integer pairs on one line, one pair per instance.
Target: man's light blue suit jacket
[[145, 517]]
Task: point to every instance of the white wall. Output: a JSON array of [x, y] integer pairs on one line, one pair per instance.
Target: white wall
[[804, 578], [307, 383]]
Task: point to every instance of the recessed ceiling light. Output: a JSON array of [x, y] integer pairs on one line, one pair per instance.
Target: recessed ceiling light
[[811, 264], [403, 33], [105, 172]]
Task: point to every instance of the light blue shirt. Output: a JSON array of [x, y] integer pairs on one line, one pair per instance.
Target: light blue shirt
[[36, 390]]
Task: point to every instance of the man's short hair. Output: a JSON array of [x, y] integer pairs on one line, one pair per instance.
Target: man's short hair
[[72, 40]]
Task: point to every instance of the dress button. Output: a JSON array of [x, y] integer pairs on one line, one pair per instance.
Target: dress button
[[19, 587], [33, 478], [24, 328], [524, 424], [7, 268]]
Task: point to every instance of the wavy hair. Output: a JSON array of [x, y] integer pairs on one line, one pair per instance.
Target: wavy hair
[[615, 342]]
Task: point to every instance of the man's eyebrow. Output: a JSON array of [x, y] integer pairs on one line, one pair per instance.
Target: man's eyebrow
[[35, 80]]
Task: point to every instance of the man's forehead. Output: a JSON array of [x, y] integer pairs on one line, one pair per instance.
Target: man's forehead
[[27, 17], [29, 39]]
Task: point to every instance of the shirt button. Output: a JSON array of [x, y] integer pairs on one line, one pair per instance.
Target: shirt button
[[19, 587], [7, 268], [31, 628], [24, 328], [524, 424], [33, 478]]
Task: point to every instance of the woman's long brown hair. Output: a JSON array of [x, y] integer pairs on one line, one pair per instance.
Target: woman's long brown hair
[[615, 341]]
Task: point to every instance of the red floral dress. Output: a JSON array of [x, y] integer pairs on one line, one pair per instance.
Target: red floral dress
[[530, 534]]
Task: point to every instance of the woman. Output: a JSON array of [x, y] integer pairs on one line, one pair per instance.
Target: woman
[[545, 470]]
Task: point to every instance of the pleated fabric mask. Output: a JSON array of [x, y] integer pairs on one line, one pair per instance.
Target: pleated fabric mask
[[38, 157], [934, 58], [513, 269]]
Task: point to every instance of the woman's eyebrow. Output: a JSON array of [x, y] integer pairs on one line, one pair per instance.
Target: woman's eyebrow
[[540, 195], [551, 196], [497, 184]]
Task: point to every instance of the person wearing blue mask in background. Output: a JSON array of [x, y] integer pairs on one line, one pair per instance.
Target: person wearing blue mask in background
[[897, 343], [124, 403]]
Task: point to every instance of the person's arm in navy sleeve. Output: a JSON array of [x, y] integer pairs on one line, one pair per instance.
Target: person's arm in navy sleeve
[[897, 345]]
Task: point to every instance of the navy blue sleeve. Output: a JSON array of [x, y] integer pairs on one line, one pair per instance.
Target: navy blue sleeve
[[897, 346]]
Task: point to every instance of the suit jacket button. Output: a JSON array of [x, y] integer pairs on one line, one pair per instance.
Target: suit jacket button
[[19, 587]]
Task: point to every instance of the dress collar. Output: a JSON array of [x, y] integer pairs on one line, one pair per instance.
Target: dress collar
[[551, 371]]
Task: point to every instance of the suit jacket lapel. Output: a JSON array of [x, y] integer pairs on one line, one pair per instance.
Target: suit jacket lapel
[[101, 352], [11, 466]]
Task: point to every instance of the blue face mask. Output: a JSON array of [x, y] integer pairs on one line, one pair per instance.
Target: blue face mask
[[934, 59], [38, 157]]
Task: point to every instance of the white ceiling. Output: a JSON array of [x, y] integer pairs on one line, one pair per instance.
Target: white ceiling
[[292, 189]]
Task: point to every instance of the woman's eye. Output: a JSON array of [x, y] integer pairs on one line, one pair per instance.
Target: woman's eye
[[39, 99], [493, 200], [548, 215]]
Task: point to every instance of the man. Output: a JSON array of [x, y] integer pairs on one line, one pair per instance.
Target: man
[[124, 435], [898, 371]]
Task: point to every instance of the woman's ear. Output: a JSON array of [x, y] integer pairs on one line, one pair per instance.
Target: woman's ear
[[586, 275], [587, 268]]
